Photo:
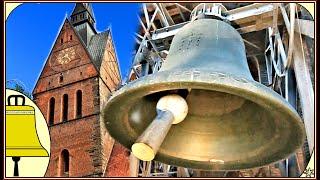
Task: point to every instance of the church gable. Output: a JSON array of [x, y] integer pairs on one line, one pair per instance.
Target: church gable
[[112, 60], [67, 57], [109, 67], [68, 51]]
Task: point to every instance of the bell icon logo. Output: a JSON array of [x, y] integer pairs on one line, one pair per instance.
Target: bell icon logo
[[27, 137]]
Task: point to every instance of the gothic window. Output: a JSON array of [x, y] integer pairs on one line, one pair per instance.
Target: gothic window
[[60, 78], [79, 104], [51, 110], [70, 37], [65, 107], [61, 40], [64, 162]]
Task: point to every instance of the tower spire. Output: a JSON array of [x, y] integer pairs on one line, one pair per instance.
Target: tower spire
[[84, 9], [82, 18]]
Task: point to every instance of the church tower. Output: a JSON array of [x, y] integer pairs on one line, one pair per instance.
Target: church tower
[[79, 74], [82, 19]]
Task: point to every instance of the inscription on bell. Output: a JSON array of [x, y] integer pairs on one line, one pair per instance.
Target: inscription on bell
[[214, 76], [191, 41], [219, 75]]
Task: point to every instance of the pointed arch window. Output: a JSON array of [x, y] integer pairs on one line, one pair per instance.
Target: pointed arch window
[[79, 104], [61, 78], [64, 163], [51, 110], [65, 107]]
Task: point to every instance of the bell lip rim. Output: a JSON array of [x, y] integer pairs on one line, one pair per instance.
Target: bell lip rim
[[205, 166], [274, 99]]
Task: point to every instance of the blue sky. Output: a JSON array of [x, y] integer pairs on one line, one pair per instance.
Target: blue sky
[[31, 30]]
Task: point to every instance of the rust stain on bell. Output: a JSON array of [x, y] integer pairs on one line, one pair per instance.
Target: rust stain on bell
[[233, 122]]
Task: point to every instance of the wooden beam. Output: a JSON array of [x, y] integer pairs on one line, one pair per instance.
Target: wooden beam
[[165, 168], [182, 7], [252, 44], [275, 18], [254, 18], [182, 172], [257, 26], [285, 17], [305, 89], [146, 169], [166, 13], [181, 13], [256, 63], [305, 27], [133, 166], [250, 13], [146, 14], [161, 16], [246, 8]]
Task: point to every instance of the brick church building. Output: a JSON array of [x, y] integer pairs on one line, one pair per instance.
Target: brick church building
[[80, 72]]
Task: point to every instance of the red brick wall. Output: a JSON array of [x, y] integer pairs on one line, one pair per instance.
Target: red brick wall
[[76, 137], [46, 83], [80, 136], [118, 163], [89, 107]]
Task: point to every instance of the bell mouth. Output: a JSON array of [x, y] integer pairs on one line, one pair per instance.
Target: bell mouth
[[233, 123]]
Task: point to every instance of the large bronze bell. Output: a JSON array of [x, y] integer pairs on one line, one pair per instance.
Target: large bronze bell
[[233, 122]]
